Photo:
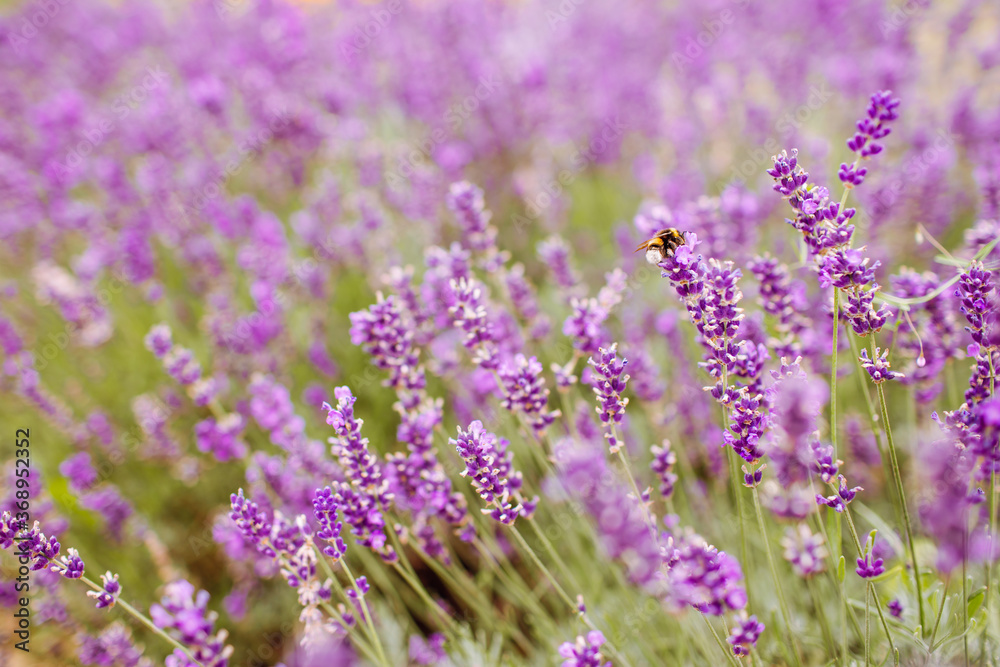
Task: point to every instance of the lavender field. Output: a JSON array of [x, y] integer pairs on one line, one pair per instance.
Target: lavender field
[[499, 333]]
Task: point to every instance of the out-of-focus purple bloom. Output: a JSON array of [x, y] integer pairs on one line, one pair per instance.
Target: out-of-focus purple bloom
[[744, 635], [428, 651], [554, 252], [181, 365], [158, 340], [621, 522], [664, 459], [221, 437], [804, 550], [183, 613], [114, 646], [79, 470], [465, 200], [383, 333], [895, 608], [585, 652], [703, 577]]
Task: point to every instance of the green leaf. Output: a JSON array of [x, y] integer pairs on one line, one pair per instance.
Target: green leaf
[[975, 602], [841, 570]]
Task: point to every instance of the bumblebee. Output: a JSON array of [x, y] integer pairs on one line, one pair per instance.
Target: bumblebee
[[662, 245]]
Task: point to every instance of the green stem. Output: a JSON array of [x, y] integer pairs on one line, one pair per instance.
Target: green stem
[[940, 613], [993, 522], [142, 618], [554, 555], [897, 478], [833, 367], [873, 421], [356, 639], [824, 621], [734, 475], [776, 579], [562, 593], [718, 640], [878, 603], [868, 624], [367, 614]]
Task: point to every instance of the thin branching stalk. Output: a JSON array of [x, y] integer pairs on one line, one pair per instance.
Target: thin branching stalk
[[142, 618], [898, 479], [777, 579], [367, 614]]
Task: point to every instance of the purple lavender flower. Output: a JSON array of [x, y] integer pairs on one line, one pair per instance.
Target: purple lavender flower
[[895, 608], [554, 252], [181, 365], [744, 635], [609, 382], [664, 459], [221, 437], [977, 295], [703, 577], [183, 612], [465, 200], [804, 550], [882, 108], [585, 325], [252, 523], [109, 593], [878, 368], [488, 465], [383, 333], [585, 652], [524, 391], [271, 407], [869, 566], [839, 501], [469, 313], [158, 340], [428, 651], [351, 449], [114, 646], [364, 515], [79, 470], [325, 509], [747, 426], [621, 522]]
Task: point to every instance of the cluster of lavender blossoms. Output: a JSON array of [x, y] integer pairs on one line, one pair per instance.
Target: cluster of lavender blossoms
[[354, 261]]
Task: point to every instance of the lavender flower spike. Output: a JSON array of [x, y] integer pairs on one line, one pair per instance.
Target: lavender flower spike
[[183, 612], [585, 652], [488, 465], [609, 384], [878, 368]]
